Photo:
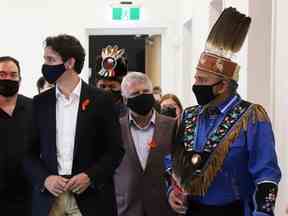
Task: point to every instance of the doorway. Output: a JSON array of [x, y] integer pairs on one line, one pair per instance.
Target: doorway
[[134, 49], [148, 61]]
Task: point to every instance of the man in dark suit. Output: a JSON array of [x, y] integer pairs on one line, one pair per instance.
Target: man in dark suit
[[147, 138], [77, 144], [15, 124]]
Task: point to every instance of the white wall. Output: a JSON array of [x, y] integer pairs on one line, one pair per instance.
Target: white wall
[[280, 96], [29, 22], [260, 54], [198, 12]]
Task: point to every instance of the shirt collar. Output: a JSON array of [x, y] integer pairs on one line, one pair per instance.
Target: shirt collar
[[20, 105], [76, 91], [224, 106], [151, 121], [20, 102]]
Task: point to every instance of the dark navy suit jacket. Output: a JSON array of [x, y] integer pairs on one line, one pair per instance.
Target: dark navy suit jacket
[[97, 152]]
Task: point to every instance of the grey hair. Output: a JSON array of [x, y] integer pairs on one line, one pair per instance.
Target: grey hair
[[135, 77]]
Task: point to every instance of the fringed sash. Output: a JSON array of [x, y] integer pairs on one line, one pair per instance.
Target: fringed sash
[[196, 171]]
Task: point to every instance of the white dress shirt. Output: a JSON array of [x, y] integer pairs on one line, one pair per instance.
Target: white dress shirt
[[142, 137], [66, 120]]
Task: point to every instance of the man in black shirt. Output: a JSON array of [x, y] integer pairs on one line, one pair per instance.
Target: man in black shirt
[[15, 126]]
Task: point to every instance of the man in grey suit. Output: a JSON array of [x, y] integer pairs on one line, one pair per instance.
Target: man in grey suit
[[147, 138]]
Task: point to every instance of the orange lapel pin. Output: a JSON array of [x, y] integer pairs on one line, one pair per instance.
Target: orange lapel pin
[[152, 144], [85, 104]]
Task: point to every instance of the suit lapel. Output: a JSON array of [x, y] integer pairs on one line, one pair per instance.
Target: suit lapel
[[82, 117], [157, 139], [51, 121], [131, 149]]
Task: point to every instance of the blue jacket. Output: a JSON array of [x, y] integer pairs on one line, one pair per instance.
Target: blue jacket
[[251, 160]]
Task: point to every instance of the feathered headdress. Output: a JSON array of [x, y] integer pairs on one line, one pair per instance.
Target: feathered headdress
[[113, 63], [194, 172], [225, 39]]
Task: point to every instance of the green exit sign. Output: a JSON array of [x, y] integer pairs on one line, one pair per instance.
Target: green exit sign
[[126, 13]]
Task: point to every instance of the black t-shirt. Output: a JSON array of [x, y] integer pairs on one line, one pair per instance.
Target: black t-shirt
[[15, 132]]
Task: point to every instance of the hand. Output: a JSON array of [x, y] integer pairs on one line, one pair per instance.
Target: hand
[[177, 202], [78, 183], [55, 184]]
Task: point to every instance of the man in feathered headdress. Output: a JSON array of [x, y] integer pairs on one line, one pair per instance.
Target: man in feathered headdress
[[111, 67], [224, 161]]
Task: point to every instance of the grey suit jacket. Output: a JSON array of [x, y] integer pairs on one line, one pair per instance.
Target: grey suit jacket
[[141, 191]]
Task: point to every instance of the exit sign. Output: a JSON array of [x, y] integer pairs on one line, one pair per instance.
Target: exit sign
[[126, 13]]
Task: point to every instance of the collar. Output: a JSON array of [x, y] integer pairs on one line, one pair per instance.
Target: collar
[[76, 91], [151, 121], [20, 102], [20, 105], [224, 106]]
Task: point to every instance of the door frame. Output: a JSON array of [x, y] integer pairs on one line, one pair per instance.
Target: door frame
[[162, 31]]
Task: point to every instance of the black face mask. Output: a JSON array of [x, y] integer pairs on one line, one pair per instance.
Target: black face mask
[[116, 95], [141, 104], [169, 111], [9, 88], [52, 72], [204, 93]]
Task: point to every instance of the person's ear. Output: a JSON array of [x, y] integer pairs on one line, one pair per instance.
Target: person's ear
[[223, 86], [70, 63]]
